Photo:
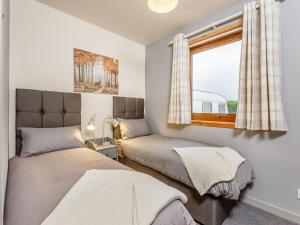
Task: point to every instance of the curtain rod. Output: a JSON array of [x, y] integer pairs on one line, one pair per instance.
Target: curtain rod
[[216, 24]]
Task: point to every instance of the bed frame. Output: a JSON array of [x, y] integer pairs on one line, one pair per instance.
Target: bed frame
[[206, 209], [45, 109]]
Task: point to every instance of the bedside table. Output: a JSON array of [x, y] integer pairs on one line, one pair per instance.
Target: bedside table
[[109, 150]]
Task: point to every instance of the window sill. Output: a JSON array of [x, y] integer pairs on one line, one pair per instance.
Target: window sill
[[218, 124]]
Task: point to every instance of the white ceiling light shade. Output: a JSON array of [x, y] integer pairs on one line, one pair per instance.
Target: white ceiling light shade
[[162, 6]]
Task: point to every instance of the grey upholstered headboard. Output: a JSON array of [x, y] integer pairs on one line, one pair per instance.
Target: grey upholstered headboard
[[127, 108], [44, 109]]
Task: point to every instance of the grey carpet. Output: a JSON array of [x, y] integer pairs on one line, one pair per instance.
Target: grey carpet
[[244, 214]]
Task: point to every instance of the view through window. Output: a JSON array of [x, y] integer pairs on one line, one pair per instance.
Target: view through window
[[215, 79]]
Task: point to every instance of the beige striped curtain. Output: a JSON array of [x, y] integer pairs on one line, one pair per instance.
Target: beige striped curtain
[[260, 102], [180, 98]]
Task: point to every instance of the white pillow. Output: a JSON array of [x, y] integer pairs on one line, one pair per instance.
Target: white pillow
[[133, 128], [36, 141]]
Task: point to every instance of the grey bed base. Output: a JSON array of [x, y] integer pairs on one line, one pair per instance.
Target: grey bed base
[[45, 109], [205, 209]]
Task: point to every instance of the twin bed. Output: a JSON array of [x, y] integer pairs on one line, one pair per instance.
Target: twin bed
[[38, 183], [153, 155]]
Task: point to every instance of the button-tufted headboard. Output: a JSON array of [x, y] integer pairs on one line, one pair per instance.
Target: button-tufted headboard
[[44, 109], [127, 108]]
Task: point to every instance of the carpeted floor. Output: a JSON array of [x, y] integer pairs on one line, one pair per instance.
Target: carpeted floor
[[244, 214]]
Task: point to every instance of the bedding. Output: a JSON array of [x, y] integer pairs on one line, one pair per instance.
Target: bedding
[[36, 141], [202, 172], [155, 151], [135, 198], [133, 128], [37, 184]]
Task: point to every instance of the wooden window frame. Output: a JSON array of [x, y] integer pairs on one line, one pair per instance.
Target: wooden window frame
[[214, 119]]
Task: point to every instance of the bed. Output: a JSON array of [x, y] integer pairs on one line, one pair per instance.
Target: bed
[[36, 184], [153, 155]]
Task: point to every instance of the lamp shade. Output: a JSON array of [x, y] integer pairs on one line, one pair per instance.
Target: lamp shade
[[114, 122], [91, 124], [90, 127], [162, 6]]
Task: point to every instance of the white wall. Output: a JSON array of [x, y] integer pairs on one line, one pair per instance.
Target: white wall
[[3, 102], [41, 57]]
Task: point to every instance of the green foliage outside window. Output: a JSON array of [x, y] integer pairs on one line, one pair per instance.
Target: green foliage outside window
[[232, 106]]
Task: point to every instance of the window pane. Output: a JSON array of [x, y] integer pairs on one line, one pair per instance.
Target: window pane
[[216, 79]]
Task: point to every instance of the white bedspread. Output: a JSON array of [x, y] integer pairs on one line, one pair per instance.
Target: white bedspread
[[207, 166], [113, 197]]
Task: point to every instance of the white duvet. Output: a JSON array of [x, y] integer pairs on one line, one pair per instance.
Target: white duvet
[[113, 197], [207, 166]]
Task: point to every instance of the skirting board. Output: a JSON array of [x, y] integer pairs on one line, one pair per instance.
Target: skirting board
[[293, 217]]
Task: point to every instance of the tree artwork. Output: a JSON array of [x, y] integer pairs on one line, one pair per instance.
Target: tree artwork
[[95, 73]]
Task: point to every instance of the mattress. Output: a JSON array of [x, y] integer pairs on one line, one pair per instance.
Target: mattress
[[155, 152], [37, 184]]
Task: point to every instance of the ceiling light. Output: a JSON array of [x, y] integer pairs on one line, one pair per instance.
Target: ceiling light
[[162, 6]]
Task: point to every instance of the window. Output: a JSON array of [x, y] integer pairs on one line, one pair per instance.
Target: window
[[215, 68]]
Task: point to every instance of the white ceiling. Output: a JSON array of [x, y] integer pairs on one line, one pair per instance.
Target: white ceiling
[[132, 18]]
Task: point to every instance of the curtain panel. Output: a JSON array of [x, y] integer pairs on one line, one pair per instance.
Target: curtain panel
[[260, 103], [180, 96]]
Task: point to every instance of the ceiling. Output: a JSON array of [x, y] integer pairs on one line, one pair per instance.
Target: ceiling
[[133, 19]]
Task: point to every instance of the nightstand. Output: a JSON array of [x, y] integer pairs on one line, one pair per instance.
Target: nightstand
[[109, 150]]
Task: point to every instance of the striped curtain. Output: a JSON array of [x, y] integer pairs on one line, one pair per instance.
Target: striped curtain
[[180, 98], [260, 102]]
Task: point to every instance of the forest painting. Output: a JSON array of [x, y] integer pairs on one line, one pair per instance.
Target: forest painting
[[95, 73]]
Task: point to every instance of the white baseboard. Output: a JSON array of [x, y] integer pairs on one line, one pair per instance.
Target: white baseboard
[[293, 217]]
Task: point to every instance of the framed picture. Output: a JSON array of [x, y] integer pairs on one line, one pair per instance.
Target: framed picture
[[95, 73]]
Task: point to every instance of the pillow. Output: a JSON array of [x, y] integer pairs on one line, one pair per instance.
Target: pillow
[[133, 128], [36, 141]]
